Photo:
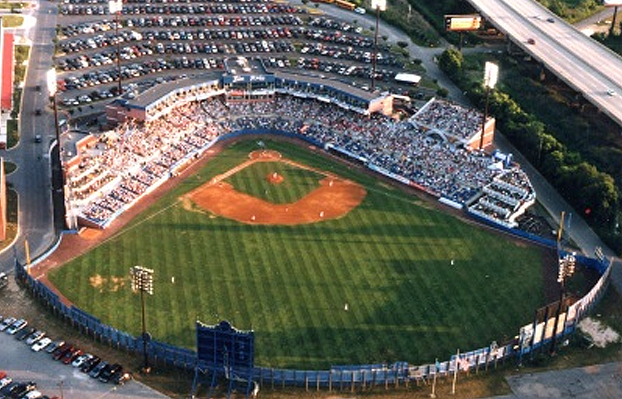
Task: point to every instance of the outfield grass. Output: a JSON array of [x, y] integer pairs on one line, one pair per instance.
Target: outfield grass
[[390, 260], [297, 182]]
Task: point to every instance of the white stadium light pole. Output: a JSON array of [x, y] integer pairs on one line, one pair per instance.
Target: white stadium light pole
[[615, 4], [491, 74], [378, 5], [115, 7]]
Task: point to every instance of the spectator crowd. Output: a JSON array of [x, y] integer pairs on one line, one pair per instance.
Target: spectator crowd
[[134, 158]]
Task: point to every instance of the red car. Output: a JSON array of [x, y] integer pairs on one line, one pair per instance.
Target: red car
[[71, 355], [62, 351]]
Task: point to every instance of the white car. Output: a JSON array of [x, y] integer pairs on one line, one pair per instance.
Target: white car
[[611, 92], [34, 337], [5, 381], [32, 395], [42, 343], [80, 360]]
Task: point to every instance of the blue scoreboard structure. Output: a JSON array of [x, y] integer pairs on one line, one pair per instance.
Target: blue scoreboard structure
[[224, 351]]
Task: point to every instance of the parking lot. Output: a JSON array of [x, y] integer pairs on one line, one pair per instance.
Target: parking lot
[[158, 41], [22, 364]]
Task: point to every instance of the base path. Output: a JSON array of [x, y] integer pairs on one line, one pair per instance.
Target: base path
[[333, 199]]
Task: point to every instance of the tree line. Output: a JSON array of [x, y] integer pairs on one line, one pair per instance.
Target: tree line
[[590, 191]]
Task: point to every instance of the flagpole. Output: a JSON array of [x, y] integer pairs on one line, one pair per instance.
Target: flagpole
[[456, 363], [433, 394]]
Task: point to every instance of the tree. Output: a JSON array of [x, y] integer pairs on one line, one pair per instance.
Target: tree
[[450, 62]]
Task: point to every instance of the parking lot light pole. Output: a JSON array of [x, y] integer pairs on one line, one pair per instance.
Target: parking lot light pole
[[142, 280], [378, 5], [115, 7]]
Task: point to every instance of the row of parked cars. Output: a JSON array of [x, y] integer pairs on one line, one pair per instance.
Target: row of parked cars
[[153, 40], [64, 352], [19, 389], [257, 8]]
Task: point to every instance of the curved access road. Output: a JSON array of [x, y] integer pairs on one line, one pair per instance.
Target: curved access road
[[581, 62]]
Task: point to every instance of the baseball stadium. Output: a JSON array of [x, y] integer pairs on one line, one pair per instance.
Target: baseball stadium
[[309, 216]]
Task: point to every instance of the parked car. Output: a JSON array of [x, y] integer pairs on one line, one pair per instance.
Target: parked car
[[121, 377], [110, 372], [22, 388], [32, 395], [8, 388], [90, 364], [24, 333], [2, 374], [54, 345], [62, 351], [7, 322], [5, 381], [15, 327], [80, 360], [71, 356], [41, 344], [34, 337], [97, 370]]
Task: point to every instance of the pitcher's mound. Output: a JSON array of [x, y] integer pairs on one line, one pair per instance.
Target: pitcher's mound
[[274, 178]]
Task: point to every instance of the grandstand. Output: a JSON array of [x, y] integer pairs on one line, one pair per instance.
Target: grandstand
[[111, 171]]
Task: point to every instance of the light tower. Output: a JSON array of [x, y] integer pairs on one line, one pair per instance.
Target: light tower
[[115, 7], [142, 281], [566, 265], [378, 5], [491, 75]]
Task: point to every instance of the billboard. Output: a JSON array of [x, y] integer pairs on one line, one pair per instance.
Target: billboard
[[461, 23], [223, 348], [612, 3]]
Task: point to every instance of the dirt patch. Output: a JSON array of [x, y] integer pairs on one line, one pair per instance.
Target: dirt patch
[[112, 284], [333, 199], [601, 335]]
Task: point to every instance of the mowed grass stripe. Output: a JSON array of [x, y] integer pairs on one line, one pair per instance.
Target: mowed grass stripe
[[389, 257]]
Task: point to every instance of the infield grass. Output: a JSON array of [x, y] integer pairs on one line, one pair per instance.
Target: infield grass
[[390, 260], [297, 182]]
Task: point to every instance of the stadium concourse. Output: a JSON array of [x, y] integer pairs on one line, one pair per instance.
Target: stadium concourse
[[112, 170]]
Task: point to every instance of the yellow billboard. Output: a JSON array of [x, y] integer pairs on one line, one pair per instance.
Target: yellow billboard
[[463, 22]]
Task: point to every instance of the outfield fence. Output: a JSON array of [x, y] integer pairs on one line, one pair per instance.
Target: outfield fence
[[531, 339]]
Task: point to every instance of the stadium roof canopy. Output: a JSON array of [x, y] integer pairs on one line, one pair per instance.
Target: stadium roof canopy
[[408, 78]]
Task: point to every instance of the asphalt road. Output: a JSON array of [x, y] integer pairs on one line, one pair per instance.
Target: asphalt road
[[22, 364], [578, 60], [32, 179]]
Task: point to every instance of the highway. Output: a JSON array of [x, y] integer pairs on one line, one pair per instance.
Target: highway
[[581, 62]]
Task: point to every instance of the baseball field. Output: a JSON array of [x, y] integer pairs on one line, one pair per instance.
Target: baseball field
[[326, 264]]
